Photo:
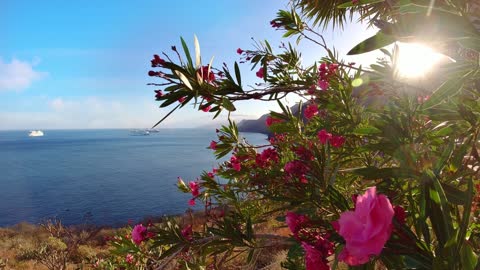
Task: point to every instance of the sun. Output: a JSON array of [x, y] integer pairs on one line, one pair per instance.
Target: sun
[[415, 60]]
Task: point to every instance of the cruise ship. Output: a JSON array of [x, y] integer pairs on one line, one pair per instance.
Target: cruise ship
[[35, 133]]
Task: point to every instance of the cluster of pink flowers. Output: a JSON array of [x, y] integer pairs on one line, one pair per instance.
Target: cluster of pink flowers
[[271, 120], [235, 163], [365, 229], [317, 247], [195, 190], [325, 73], [266, 158], [303, 153], [335, 140], [311, 111], [297, 168], [140, 234], [157, 61], [206, 74]]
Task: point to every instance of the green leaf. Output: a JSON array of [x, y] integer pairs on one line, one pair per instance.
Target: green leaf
[[237, 74], [378, 41], [368, 130], [184, 79], [227, 104], [378, 173], [359, 3], [187, 53], [447, 89], [468, 258], [470, 43]]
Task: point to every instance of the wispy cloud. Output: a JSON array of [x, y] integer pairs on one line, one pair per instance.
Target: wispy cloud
[[97, 113], [18, 75]]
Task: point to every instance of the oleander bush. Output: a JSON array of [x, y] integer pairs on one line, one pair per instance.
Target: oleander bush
[[374, 171]]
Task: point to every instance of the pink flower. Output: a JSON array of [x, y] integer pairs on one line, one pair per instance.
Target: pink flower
[[260, 73], [158, 94], [195, 188], [187, 232], [239, 51], [213, 145], [311, 111], [157, 61], [181, 99], [314, 259], [295, 222], [211, 174], [191, 202], [311, 90], [139, 234], [270, 121], [367, 228], [206, 75], [296, 167], [324, 136], [129, 258], [206, 108], [235, 162], [337, 141], [323, 84]]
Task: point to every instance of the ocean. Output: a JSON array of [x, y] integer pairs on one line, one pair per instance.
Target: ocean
[[103, 177]]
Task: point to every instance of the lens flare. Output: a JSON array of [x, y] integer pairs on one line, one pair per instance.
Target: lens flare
[[415, 60]]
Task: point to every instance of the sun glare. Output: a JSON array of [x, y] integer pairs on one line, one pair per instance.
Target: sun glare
[[416, 60]]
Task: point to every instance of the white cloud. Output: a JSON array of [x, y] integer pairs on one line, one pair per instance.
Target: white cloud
[[18, 75], [98, 113]]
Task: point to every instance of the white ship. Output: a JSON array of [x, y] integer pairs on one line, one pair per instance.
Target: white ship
[[35, 133]]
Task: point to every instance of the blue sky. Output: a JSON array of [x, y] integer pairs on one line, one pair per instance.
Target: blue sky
[[83, 64]]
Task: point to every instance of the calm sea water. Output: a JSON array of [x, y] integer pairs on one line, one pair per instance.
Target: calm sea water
[[106, 177]]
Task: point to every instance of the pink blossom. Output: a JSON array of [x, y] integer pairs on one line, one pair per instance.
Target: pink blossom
[[181, 99], [139, 234], [367, 228], [191, 202], [129, 258], [323, 84], [158, 94], [337, 141], [211, 174], [195, 188], [206, 108], [260, 73], [235, 162], [270, 121], [295, 222], [239, 51], [187, 233], [314, 259], [213, 145], [311, 90], [296, 168], [206, 73], [311, 111], [324, 136]]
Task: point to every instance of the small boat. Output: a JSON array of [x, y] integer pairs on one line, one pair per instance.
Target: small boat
[[140, 133], [35, 133]]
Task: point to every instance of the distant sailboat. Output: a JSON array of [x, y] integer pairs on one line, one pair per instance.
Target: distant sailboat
[[35, 133]]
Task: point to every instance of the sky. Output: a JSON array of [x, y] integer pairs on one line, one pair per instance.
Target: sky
[[84, 64]]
